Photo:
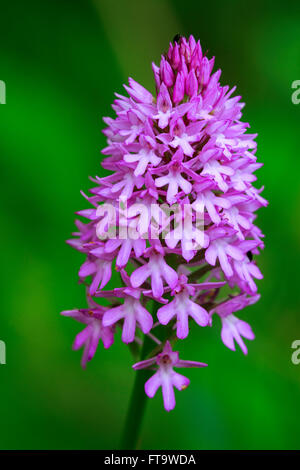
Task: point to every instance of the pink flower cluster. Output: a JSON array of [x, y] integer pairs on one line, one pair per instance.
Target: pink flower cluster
[[186, 146]]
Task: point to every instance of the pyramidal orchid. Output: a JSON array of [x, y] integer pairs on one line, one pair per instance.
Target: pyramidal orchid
[[174, 217]]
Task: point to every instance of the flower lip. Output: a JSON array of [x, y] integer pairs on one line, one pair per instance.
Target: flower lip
[[165, 376]]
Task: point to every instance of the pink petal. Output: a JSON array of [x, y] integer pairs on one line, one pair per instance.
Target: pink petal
[[152, 385], [144, 364], [128, 332], [180, 381], [166, 313], [182, 363], [113, 315], [198, 313], [235, 253], [157, 285], [168, 393], [144, 318], [94, 343], [124, 253], [87, 269], [107, 337], [106, 275], [211, 255], [225, 263], [182, 329], [96, 281], [81, 338], [169, 275], [139, 276], [227, 337], [245, 329]]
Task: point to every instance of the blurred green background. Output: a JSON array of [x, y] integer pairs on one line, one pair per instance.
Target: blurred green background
[[62, 60]]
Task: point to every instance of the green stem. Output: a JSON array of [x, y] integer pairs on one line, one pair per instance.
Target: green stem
[[137, 403]]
